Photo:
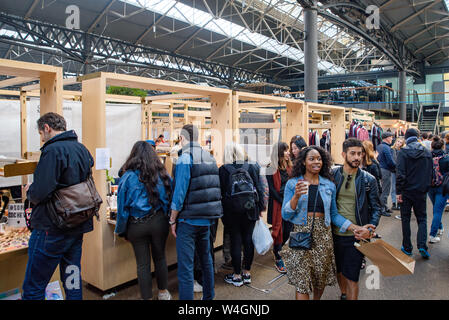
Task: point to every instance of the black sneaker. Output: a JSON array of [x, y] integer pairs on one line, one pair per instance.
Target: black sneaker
[[238, 282], [246, 278], [385, 214], [343, 296]]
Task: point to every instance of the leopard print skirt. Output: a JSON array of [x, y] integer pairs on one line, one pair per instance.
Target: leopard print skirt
[[311, 269]]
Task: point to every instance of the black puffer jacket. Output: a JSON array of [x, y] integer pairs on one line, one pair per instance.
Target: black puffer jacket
[[63, 162], [414, 168]]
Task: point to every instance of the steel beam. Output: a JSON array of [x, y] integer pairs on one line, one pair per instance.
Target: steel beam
[[402, 95], [311, 54]]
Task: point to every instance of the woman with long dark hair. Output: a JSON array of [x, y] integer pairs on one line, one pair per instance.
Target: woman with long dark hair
[[142, 215], [310, 199], [278, 173], [297, 143]]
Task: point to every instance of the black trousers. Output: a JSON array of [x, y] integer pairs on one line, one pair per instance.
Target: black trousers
[[242, 234], [148, 239], [287, 227], [417, 201]]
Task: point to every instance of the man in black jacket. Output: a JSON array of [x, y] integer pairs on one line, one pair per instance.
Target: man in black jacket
[[63, 162], [413, 181], [358, 201]]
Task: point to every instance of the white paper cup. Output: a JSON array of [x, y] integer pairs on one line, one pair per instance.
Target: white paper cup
[[307, 184]]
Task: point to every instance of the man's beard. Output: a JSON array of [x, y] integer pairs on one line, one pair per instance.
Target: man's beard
[[352, 165]]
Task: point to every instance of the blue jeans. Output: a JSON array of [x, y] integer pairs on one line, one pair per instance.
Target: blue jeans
[[45, 252], [393, 188], [439, 203], [187, 238]]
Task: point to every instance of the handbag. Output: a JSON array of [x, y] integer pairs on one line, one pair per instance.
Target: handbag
[[75, 204], [303, 240]]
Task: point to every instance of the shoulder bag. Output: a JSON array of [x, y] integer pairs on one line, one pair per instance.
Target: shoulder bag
[[75, 204], [303, 240]]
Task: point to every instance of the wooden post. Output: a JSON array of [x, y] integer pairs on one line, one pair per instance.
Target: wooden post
[[337, 135], [235, 118], [51, 92], [221, 124], [171, 124], [94, 136], [297, 121], [186, 114], [143, 120], [150, 120], [23, 135]]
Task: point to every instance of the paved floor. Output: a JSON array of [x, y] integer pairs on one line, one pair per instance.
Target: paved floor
[[430, 280]]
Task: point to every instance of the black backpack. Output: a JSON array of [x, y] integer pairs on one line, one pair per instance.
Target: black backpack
[[241, 196]]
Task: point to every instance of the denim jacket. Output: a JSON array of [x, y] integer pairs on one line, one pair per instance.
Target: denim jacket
[[132, 200], [327, 192]]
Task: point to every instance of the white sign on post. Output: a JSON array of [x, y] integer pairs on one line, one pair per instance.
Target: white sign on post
[[103, 156], [16, 215]]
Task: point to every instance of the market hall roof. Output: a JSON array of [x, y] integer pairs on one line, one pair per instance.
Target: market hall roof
[[262, 36]]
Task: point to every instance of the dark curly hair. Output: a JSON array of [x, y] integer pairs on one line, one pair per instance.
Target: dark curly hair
[[299, 168]]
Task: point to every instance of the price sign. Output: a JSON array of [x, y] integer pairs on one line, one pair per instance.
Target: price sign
[[16, 215]]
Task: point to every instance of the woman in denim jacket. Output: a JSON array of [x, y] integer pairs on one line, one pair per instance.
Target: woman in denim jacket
[[310, 192], [142, 205]]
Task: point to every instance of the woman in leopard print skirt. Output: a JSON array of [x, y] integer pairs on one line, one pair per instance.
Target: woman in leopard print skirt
[[310, 195]]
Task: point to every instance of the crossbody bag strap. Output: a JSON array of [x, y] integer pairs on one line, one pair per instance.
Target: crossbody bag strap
[[314, 209]]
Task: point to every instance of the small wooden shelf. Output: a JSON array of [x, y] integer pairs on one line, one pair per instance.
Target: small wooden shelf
[[18, 169]]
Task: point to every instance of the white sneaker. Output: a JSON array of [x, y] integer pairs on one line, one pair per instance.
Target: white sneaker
[[197, 287], [440, 232], [164, 295], [434, 239]]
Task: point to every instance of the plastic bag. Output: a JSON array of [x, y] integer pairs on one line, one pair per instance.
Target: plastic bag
[[262, 237]]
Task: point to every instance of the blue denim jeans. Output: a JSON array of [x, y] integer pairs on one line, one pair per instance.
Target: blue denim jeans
[[393, 188], [187, 238], [45, 252], [439, 203]]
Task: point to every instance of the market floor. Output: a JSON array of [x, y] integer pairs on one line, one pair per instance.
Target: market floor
[[429, 281]]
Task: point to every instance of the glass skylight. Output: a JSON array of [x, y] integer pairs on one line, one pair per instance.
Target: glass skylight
[[190, 15]]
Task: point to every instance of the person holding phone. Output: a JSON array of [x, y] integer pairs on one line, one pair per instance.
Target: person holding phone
[[310, 197]]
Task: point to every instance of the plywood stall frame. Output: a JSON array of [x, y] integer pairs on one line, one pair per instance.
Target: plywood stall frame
[[176, 104], [293, 120], [13, 263], [106, 262], [337, 126]]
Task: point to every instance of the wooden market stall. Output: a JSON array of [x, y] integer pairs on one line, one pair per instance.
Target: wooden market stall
[[335, 123], [109, 262], [13, 262]]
